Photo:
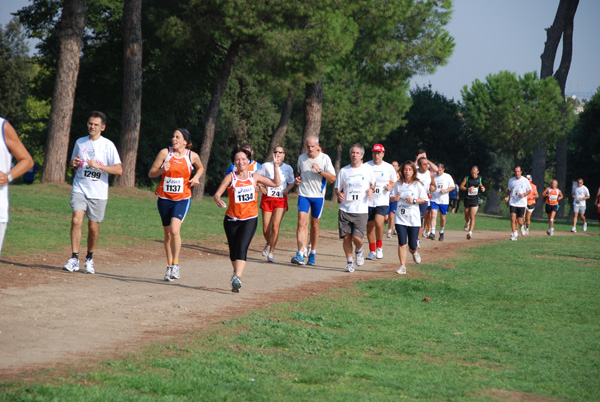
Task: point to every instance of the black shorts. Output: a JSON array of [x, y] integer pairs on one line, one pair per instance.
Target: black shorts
[[471, 202], [550, 208], [519, 211], [378, 210]]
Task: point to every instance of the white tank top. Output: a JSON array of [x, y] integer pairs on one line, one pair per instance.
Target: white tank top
[[5, 161], [425, 178]]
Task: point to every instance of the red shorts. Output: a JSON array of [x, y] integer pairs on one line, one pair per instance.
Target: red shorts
[[268, 204]]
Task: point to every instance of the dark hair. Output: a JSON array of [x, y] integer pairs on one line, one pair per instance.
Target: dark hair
[[247, 146], [100, 115], [238, 150], [186, 137], [414, 177], [419, 161]]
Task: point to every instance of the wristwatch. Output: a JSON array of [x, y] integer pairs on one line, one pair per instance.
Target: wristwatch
[[9, 178], [414, 200]]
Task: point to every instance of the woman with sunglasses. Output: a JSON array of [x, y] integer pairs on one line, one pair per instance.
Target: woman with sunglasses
[[274, 201]]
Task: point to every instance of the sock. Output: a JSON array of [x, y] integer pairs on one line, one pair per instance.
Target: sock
[[75, 255], [313, 252], [441, 230], [170, 263], [379, 243], [372, 247], [89, 255], [175, 262], [359, 251], [350, 261], [432, 230]]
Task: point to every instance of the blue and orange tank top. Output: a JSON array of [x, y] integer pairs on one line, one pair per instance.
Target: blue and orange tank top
[[175, 184], [242, 198]]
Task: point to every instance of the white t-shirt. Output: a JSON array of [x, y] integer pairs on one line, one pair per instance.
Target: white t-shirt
[[286, 175], [580, 192], [355, 183], [313, 184], [93, 183], [408, 214], [5, 161], [443, 181], [384, 174], [516, 187]]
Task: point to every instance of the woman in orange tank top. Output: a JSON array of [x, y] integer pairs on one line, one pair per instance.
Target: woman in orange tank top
[[552, 195], [241, 217], [174, 165]]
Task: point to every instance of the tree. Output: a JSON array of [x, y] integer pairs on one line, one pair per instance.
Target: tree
[[132, 91], [72, 24]]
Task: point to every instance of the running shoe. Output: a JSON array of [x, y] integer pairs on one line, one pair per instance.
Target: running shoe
[[311, 259], [469, 235], [431, 236], [425, 234], [585, 227], [298, 259], [527, 231], [441, 237], [552, 232], [308, 250], [513, 237], [349, 267], [305, 252], [574, 229], [523, 230], [417, 258], [418, 244], [266, 250], [270, 258], [72, 265], [168, 274], [467, 226], [89, 266], [360, 258], [389, 233], [236, 284], [371, 255], [548, 232], [379, 253], [175, 271], [401, 270]]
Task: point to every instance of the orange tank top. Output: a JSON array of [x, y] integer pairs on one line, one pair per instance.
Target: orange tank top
[[531, 195], [175, 184], [242, 198], [552, 197]]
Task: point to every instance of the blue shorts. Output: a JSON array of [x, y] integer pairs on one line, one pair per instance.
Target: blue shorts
[[314, 204], [393, 207], [378, 210], [408, 234], [169, 209], [443, 208], [423, 209]]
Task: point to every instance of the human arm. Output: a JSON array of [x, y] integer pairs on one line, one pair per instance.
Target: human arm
[[159, 166], [463, 185], [116, 169], [194, 181], [18, 150], [222, 187]]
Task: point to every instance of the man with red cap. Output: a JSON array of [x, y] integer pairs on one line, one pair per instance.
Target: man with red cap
[[385, 178]]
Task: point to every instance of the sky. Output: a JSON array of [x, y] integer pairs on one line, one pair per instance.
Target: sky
[[495, 35]]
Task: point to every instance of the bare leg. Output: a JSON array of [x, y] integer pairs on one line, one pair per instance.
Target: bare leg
[[93, 233], [314, 232], [302, 230], [276, 219], [175, 230], [76, 222]]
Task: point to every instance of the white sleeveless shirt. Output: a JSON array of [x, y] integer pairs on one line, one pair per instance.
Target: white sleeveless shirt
[[5, 161]]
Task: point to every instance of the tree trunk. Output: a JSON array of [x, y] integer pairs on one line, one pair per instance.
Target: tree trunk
[[70, 39], [561, 174], [213, 113], [337, 166], [313, 110], [132, 91], [284, 120], [538, 172]]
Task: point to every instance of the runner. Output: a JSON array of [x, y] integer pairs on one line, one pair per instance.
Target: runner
[[409, 192], [354, 188], [252, 167], [580, 195], [454, 201], [440, 200], [531, 197], [518, 189], [94, 157], [274, 201], [393, 205], [10, 145], [385, 177], [174, 165], [241, 217], [552, 195], [425, 176], [471, 184], [314, 171], [597, 202]]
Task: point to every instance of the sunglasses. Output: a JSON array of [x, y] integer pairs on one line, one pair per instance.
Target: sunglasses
[[278, 152]]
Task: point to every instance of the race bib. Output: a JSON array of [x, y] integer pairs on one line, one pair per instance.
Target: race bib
[[517, 191], [173, 185], [355, 194], [553, 197], [475, 191], [244, 194], [91, 173], [275, 192], [379, 190]]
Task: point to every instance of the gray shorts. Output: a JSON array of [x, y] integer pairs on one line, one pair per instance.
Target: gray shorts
[[354, 224], [579, 209], [94, 208]]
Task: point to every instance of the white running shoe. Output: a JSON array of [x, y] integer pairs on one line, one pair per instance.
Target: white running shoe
[[236, 284], [513, 237], [527, 231], [574, 229], [548, 232], [425, 234], [467, 226], [418, 244], [168, 274], [379, 253], [371, 255], [523, 232], [175, 271], [89, 266], [360, 258], [266, 250], [270, 258], [389, 233], [401, 270], [552, 232], [417, 258], [349, 267], [72, 265], [585, 227], [469, 235]]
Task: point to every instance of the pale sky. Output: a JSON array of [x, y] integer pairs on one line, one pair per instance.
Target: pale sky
[[495, 35]]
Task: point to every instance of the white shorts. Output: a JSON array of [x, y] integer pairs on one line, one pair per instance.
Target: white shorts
[[530, 209], [579, 209]]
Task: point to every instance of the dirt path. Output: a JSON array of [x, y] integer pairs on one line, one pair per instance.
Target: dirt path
[[49, 317]]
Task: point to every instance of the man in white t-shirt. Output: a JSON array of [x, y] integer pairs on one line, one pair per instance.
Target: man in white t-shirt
[[580, 195], [354, 188], [94, 157], [314, 171], [440, 199], [385, 178], [518, 189]]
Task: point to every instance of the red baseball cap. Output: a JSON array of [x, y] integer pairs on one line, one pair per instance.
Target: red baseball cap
[[378, 148]]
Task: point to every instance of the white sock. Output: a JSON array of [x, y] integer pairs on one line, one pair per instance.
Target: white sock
[[442, 230]]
